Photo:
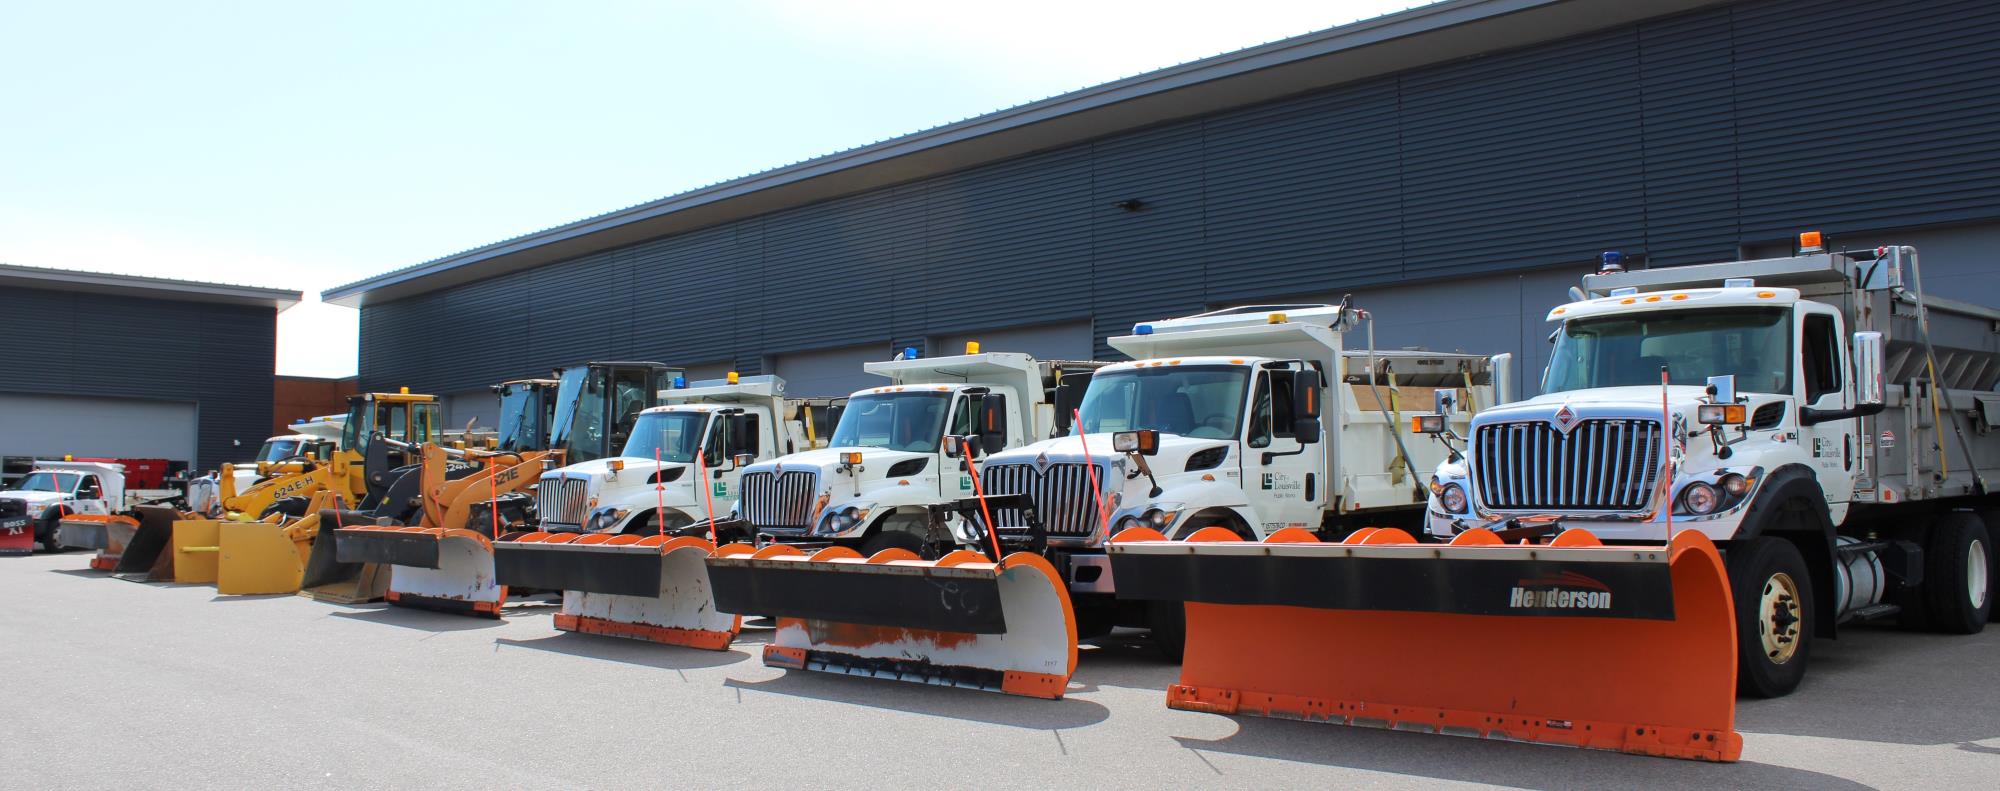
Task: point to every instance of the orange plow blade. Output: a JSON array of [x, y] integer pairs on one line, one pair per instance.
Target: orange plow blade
[[1627, 648], [651, 588], [105, 533], [959, 621]]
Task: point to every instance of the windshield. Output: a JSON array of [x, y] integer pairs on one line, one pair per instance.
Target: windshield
[[896, 421], [1204, 402], [521, 418], [575, 414], [675, 436], [276, 449], [45, 481], [360, 423], [1621, 351]]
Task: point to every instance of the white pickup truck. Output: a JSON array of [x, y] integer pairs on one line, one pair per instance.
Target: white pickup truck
[[36, 502]]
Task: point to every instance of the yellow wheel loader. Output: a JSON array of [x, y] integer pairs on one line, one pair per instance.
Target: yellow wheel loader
[[261, 540]]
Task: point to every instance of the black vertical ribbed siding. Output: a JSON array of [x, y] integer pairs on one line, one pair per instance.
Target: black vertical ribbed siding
[[219, 356], [1677, 139]]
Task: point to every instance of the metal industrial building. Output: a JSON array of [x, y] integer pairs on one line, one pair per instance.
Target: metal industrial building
[[135, 367], [1456, 166]]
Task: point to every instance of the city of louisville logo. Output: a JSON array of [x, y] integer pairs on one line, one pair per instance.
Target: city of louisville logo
[[1566, 590]]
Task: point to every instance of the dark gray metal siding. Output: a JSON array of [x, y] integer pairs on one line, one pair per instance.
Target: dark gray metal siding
[[1678, 140], [219, 356]]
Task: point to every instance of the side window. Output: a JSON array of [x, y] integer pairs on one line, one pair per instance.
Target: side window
[[965, 419], [1282, 413], [1820, 354], [1260, 413], [748, 441], [88, 488]]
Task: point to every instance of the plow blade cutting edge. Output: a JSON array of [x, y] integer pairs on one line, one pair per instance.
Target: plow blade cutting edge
[[1628, 648], [434, 568], [329, 580], [146, 557], [960, 621], [95, 531], [647, 588]]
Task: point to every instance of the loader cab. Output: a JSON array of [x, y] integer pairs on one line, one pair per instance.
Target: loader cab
[[596, 405], [403, 417], [527, 414]]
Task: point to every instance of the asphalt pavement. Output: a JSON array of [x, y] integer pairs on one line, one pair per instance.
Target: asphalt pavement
[[120, 684]]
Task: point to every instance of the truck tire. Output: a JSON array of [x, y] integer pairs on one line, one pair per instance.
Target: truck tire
[[1991, 518], [1167, 620], [1774, 611], [892, 539], [1957, 593]]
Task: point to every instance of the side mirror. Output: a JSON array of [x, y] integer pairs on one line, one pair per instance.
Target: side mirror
[[1306, 387], [954, 447], [1868, 369], [1446, 399], [1500, 368], [1723, 388], [1306, 430], [992, 423], [1144, 442], [745, 459]]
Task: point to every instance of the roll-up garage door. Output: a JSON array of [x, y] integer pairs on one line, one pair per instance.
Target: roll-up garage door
[[481, 406], [52, 426]]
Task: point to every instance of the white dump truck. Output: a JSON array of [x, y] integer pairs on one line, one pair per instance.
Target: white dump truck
[[1252, 419], [1819, 417], [681, 458], [889, 460]]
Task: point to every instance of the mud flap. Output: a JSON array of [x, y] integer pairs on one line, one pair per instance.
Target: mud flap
[[448, 570], [147, 556], [1628, 648], [652, 588], [960, 621], [329, 580]]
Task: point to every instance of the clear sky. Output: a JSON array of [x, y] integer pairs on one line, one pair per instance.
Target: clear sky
[[303, 146]]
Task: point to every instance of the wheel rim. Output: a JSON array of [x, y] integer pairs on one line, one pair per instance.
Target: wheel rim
[[1976, 587], [1779, 618]]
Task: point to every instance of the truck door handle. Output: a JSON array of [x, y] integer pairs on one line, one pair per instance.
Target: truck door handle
[[1847, 451]]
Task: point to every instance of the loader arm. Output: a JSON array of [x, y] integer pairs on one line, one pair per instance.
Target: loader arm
[[483, 486], [305, 481]]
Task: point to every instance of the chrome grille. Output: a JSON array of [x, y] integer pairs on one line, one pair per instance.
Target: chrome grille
[[1600, 465], [562, 500], [1061, 495], [779, 501]]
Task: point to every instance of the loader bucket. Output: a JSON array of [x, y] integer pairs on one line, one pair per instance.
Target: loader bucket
[[449, 570], [1628, 648], [329, 580], [262, 557], [959, 621], [147, 557], [645, 588], [196, 547]]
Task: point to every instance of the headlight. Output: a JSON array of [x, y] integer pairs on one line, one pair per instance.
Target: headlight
[[844, 520], [1124, 523], [1735, 485], [1700, 498], [1162, 517], [604, 519], [1452, 497]]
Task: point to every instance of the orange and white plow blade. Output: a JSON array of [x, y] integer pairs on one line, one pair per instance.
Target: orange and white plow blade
[[646, 588], [1628, 648], [444, 569], [959, 621], [105, 533]]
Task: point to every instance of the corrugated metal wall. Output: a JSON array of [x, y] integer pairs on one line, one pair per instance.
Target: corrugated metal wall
[[1677, 140], [219, 356]]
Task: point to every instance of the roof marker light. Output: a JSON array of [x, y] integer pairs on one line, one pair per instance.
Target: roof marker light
[[680, 382], [971, 347], [1276, 318], [1810, 242], [910, 352], [733, 377], [1142, 329], [1611, 261]]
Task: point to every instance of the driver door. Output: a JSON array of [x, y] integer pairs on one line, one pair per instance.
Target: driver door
[[1819, 377], [90, 497], [1283, 478]]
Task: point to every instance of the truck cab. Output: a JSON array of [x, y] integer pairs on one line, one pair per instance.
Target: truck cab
[[1251, 419], [680, 459], [897, 450]]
